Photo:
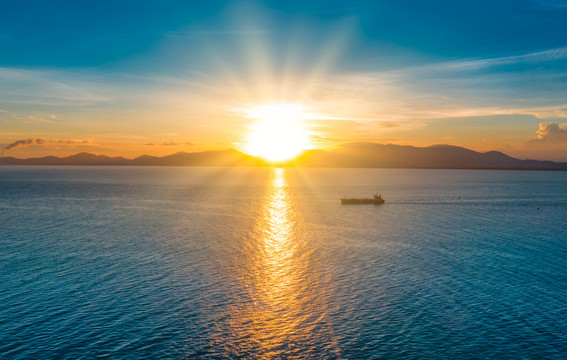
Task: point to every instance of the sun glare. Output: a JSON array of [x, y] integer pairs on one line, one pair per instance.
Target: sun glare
[[279, 133]]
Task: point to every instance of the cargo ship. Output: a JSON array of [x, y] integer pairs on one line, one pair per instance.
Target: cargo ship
[[376, 200]]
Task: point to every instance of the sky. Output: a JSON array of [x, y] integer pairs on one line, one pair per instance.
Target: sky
[[157, 77]]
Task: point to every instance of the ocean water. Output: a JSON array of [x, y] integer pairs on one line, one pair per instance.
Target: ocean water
[[206, 263]]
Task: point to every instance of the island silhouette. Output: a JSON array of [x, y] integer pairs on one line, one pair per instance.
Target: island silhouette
[[352, 155]]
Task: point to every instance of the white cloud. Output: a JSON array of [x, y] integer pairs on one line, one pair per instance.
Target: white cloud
[[552, 132], [550, 144]]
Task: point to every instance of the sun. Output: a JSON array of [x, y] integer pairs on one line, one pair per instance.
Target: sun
[[279, 133]]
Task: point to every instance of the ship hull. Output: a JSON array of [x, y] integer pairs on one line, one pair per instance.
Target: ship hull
[[362, 201]]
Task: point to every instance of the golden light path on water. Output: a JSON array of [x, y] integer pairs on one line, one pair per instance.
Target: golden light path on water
[[285, 309]]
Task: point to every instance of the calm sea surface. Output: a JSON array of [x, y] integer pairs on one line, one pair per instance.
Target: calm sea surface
[[173, 263]]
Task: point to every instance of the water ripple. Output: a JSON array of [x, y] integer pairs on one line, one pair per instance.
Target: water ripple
[[257, 263]]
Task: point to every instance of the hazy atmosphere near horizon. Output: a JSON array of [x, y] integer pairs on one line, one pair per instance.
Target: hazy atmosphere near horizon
[[361, 179]]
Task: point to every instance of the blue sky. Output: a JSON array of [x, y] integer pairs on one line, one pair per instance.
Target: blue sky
[[65, 34], [481, 74]]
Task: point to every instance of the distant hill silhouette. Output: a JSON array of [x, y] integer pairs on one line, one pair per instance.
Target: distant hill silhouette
[[229, 157], [354, 155], [77, 159], [372, 155]]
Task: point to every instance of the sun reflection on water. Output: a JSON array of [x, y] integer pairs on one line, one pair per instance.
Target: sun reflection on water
[[278, 263], [280, 313]]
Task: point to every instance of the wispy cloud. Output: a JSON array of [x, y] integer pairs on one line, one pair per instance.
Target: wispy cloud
[[550, 4], [451, 89], [49, 88], [229, 32], [475, 64], [170, 143], [46, 142], [549, 112], [23, 143]]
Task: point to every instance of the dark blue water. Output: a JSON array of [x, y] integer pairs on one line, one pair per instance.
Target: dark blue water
[[172, 263]]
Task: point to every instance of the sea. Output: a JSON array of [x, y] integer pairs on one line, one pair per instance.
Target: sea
[[265, 263]]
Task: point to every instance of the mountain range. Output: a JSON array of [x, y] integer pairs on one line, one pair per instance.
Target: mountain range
[[353, 155]]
